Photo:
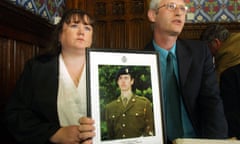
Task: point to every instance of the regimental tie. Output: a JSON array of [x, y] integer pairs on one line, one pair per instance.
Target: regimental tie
[[173, 115], [125, 100]]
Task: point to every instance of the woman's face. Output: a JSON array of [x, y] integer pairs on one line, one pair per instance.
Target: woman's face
[[76, 35]]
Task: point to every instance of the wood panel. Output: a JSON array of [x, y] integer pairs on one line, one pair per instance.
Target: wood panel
[[193, 30], [23, 35], [20, 24], [13, 55], [139, 33], [124, 23], [81, 4]]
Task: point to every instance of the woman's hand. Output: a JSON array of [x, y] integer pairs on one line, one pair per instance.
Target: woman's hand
[[75, 134], [86, 129]]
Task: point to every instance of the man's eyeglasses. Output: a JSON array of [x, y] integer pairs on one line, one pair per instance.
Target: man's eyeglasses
[[173, 6]]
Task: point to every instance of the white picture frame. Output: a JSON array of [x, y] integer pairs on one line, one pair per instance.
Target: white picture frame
[[101, 64]]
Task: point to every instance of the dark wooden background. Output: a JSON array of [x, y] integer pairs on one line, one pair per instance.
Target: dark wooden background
[[120, 25]]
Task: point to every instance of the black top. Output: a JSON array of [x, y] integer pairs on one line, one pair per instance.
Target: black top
[[230, 93], [31, 114]]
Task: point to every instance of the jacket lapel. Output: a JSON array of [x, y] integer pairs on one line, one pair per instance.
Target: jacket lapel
[[49, 86], [184, 58]]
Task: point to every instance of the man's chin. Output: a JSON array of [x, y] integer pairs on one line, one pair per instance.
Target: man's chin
[[175, 33]]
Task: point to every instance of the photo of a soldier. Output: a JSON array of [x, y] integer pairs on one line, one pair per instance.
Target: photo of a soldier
[[128, 115]]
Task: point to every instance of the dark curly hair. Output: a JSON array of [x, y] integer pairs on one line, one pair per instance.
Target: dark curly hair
[[215, 31]]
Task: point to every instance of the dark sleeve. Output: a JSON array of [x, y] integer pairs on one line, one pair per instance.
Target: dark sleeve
[[26, 125], [230, 93], [213, 121]]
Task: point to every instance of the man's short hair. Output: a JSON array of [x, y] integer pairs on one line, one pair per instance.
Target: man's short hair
[[215, 31], [153, 4]]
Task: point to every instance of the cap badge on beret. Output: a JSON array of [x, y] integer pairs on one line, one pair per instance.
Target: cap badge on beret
[[126, 70]]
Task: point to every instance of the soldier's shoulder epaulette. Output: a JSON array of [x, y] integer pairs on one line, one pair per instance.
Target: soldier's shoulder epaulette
[[112, 103], [142, 98]]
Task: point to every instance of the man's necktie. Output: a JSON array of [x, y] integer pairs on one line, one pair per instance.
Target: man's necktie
[[125, 100], [174, 124]]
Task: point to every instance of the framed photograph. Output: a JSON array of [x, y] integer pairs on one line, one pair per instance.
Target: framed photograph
[[124, 96]]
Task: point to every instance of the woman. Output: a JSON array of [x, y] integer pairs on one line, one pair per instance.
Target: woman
[[49, 102]]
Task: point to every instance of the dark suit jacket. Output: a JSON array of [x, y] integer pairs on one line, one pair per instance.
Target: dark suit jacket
[[230, 93], [199, 88], [31, 114]]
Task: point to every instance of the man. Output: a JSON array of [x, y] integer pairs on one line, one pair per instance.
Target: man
[[214, 35], [200, 109], [129, 115], [225, 49], [223, 45]]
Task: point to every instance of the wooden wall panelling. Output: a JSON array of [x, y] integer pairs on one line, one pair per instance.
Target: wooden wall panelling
[[23, 35], [124, 23], [81, 4], [13, 56], [5, 53], [139, 34], [20, 24], [100, 34], [193, 30], [117, 34]]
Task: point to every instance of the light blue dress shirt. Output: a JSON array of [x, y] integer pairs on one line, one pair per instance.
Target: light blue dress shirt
[[187, 126]]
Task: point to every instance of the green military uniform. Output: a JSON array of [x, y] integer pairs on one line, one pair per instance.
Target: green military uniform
[[133, 120]]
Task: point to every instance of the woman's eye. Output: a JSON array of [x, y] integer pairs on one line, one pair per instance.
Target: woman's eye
[[87, 28], [74, 25]]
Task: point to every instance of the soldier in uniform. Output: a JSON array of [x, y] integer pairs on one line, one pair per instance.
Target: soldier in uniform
[[129, 115]]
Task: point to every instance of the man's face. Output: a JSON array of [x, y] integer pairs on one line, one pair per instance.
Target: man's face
[[169, 18], [125, 82], [214, 45]]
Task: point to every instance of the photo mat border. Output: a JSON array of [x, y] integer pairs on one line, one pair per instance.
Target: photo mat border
[[96, 57]]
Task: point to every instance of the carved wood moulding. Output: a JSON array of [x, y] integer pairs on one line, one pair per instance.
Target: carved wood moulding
[[100, 9], [137, 7], [20, 24], [75, 4], [119, 8], [194, 30]]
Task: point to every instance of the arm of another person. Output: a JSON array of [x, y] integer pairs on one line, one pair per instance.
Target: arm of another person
[[212, 118], [230, 93], [201, 93]]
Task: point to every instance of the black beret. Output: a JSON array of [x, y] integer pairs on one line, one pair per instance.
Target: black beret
[[124, 70]]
